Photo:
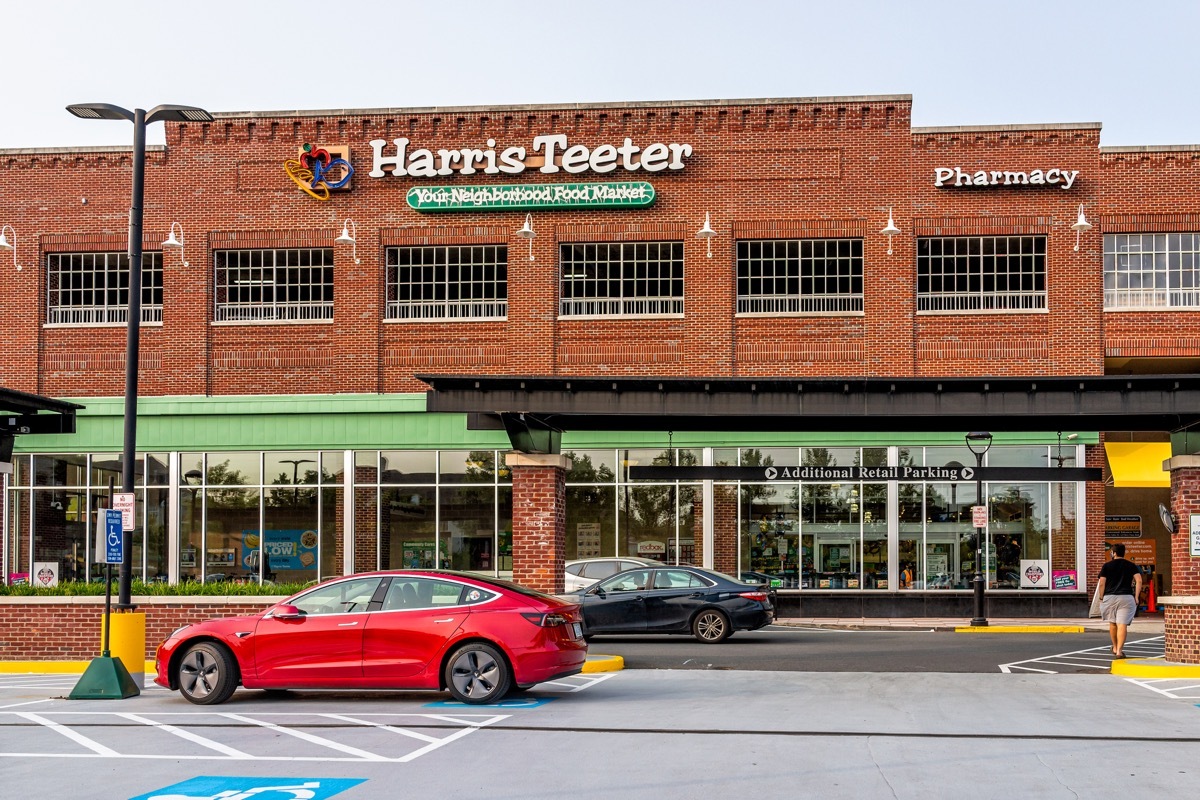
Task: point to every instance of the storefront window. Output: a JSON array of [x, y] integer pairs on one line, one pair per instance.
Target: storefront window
[[592, 466], [467, 525], [770, 536], [408, 527], [1019, 535], [591, 530], [911, 515], [646, 520], [231, 527]]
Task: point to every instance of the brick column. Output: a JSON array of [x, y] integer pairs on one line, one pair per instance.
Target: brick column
[[725, 531], [539, 520], [1181, 610]]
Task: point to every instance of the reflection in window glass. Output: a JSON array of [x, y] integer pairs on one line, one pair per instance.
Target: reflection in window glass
[[770, 535], [288, 547], [233, 469], [287, 469], [408, 527], [592, 466], [467, 527], [231, 520], [591, 530], [408, 466], [646, 520]]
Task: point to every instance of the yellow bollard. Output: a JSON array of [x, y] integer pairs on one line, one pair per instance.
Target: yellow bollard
[[128, 643]]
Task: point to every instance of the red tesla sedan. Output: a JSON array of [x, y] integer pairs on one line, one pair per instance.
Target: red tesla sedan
[[475, 637]]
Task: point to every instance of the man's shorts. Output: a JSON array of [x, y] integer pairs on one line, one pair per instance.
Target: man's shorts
[[1118, 608]]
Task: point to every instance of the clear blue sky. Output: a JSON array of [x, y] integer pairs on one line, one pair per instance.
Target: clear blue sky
[[1130, 65]]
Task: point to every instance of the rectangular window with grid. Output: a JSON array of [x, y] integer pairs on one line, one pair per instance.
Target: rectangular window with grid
[[797, 276], [468, 282], [1152, 270], [981, 273], [621, 279], [273, 285], [93, 288]]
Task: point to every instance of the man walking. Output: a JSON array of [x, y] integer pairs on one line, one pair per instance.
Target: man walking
[[1120, 585]]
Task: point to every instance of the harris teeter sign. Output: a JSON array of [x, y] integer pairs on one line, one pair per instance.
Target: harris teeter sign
[[525, 197]]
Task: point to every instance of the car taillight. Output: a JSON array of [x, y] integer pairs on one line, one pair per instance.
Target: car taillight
[[759, 596], [546, 620]]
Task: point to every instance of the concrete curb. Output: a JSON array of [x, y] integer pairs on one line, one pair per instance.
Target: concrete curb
[[599, 663], [53, 667], [1022, 629], [1153, 668]]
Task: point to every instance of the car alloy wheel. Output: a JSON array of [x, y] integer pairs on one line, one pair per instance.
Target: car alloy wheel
[[477, 673], [711, 626], [207, 674]]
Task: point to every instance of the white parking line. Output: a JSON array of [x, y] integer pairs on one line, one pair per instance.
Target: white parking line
[[74, 736], [468, 723], [1097, 658], [188, 735]]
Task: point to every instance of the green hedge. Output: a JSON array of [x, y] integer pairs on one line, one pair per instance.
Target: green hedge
[[141, 589]]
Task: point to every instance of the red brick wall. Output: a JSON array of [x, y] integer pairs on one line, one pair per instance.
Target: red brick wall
[[539, 527], [34, 629]]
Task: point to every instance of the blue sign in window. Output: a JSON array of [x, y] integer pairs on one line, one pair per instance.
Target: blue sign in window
[[230, 787]]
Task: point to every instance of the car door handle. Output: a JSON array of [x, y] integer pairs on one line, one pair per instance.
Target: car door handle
[[447, 619], [346, 624]]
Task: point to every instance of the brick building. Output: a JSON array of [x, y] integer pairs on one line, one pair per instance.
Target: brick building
[[329, 259]]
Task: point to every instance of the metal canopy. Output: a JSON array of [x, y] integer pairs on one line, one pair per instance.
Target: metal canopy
[[1107, 402], [20, 413]]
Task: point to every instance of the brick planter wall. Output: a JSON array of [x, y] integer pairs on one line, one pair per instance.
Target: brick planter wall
[[68, 628]]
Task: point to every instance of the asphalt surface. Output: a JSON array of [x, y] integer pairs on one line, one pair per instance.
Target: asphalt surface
[[817, 649], [638, 733]]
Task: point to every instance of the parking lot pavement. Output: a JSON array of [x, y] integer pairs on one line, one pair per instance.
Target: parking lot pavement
[[658, 734]]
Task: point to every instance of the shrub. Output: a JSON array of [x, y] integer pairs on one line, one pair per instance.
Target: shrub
[[141, 589]]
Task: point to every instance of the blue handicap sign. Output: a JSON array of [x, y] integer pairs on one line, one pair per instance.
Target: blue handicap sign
[[229, 787], [508, 702], [114, 541]]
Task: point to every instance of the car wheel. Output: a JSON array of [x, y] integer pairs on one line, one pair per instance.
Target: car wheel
[[477, 673], [207, 674], [711, 626]]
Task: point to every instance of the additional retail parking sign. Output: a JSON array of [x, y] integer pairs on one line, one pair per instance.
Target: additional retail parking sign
[[1194, 533], [229, 787]]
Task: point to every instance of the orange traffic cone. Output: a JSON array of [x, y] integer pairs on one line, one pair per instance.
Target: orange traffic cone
[[1151, 607]]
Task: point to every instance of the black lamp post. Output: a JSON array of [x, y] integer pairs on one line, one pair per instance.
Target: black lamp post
[[140, 119], [296, 462], [978, 443]]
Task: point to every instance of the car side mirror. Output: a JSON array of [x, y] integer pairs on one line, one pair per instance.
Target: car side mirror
[[287, 612], [596, 590]]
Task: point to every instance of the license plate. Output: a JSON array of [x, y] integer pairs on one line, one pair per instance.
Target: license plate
[[577, 630]]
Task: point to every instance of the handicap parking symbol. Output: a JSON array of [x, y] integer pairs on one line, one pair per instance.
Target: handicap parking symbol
[[508, 702], [229, 787]]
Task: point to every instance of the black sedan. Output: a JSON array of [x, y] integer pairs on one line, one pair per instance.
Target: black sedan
[[708, 605]]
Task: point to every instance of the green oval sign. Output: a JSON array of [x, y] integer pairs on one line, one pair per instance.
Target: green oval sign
[[526, 197]]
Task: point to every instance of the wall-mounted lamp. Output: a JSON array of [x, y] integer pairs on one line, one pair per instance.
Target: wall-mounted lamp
[[4, 245], [1081, 226], [890, 230], [350, 236], [707, 233], [526, 232], [173, 243]]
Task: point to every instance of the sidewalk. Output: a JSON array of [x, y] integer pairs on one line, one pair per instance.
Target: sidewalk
[[1146, 623]]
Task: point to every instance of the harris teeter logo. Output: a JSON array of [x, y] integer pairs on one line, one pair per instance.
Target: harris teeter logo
[[320, 170]]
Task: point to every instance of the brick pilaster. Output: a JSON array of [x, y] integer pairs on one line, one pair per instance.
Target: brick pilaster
[[539, 520], [1181, 610]]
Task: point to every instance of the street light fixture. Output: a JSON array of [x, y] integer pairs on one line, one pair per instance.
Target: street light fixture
[[296, 462], [140, 119], [978, 443]]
